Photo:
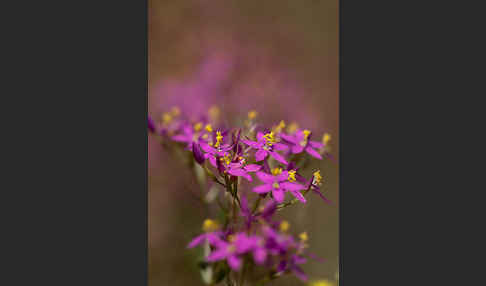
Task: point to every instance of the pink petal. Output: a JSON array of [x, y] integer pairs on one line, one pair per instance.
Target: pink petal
[[313, 153], [297, 149], [234, 262], [234, 165], [278, 195], [298, 196], [279, 158], [259, 255], [249, 143], [218, 254], [283, 176], [206, 148], [260, 155], [259, 136], [212, 160], [263, 188], [292, 186], [237, 172], [252, 167], [264, 177], [248, 177], [289, 138], [315, 144], [197, 240], [279, 147]]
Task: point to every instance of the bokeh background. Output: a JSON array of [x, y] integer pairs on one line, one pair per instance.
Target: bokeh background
[[279, 57]]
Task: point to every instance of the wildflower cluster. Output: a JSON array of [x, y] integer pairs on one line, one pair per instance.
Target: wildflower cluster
[[251, 234]]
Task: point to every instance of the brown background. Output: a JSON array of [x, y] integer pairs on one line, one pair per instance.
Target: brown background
[[266, 37]]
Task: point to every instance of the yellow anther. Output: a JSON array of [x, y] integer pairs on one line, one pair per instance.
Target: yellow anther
[[276, 185], [304, 237], [270, 138], [317, 177], [219, 139], [322, 283], [280, 127], [214, 113], [198, 126], [226, 159], [175, 111], [284, 226], [292, 176], [209, 128], [205, 136], [166, 118], [326, 138], [292, 127], [306, 133], [276, 171], [210, 225], [252, 114]]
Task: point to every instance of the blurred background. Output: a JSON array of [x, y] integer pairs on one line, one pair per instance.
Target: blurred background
[[277, 57]]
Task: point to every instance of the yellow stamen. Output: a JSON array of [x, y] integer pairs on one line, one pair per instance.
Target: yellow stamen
[[326, 138], [276, 185], [317, 177], [292, 176], [252, 114], [219, 139], [226, 159], [175, 111], [205, 136], [280, 127], [166, 118], [210, 225], [270, 138], [198, 126], [231, 238], [292, 127], [276, 171], [209, 128], [304, 237], [306, 133], [284, 226]]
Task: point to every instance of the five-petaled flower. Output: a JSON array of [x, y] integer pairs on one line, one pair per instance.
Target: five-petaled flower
[[300, 141], [278, 183], [265, 145]]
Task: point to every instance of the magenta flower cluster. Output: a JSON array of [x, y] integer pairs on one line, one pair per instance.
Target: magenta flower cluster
[[251, 234]]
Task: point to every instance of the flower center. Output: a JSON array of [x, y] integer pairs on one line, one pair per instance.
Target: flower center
[[219, 139], [303, 143], [284, 226], [276, 171], [276, 185], [198, 126], [317, 177], [269, 138], [326, 138], [210, 225], [209, 128], [291, 177]]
